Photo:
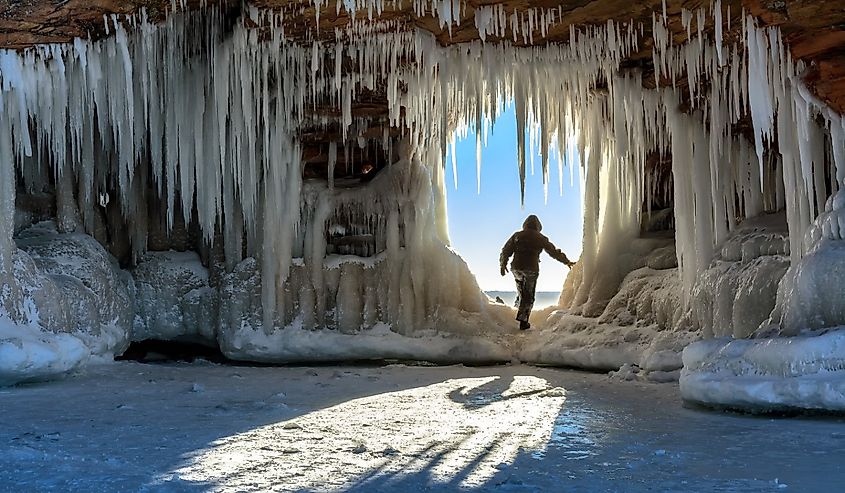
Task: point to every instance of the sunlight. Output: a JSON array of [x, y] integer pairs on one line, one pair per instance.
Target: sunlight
[[473, 427]]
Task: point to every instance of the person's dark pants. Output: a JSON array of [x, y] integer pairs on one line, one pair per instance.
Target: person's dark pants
[[526, 284]]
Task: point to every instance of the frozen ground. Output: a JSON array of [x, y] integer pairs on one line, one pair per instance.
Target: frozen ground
[[202, 427]]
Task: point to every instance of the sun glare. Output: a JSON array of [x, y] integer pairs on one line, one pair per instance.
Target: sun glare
[[472, 428]]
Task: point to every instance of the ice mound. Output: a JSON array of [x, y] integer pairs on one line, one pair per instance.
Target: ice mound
[[801, 372], [71, 302], [27, 353], [173, 298], [736, 293], [812, 294], [362, 315], [638, 326]]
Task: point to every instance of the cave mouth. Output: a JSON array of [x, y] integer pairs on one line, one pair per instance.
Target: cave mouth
[[169, 351], [485, 204]]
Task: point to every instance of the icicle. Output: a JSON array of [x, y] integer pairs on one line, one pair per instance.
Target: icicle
[[332, 163], [717, 7]]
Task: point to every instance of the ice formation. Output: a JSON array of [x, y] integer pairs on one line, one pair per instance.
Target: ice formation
[[193, 125], [799, 372]]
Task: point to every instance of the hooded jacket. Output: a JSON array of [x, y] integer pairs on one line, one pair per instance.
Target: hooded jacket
[[526, 245]]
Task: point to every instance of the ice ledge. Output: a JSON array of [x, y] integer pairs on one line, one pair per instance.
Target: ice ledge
[[802, 372]]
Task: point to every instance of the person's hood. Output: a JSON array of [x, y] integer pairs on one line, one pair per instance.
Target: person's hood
[[532, 222]]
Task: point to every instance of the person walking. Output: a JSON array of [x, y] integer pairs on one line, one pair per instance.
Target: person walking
[[525, 247]]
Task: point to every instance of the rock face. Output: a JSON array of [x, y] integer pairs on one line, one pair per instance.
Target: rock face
[[28, 22], [815, 32]]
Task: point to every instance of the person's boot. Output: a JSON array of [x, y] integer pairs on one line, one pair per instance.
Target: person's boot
[[524, 326]]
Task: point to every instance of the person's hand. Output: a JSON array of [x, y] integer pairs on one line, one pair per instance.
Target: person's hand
[[570, 264], [503, 270]]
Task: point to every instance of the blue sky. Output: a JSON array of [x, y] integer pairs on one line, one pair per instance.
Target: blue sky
[[479, 224]]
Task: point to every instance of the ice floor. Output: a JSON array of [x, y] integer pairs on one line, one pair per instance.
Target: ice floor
[[184, 428]]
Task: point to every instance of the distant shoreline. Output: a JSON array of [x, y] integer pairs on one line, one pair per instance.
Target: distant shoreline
[[542, 299]]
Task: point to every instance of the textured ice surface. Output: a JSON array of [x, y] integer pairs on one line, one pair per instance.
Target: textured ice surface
[[812, 294], [173, 298], [801, 372], [188, 428], [639, 325], [76, 304], [28, 353], [737, 291]]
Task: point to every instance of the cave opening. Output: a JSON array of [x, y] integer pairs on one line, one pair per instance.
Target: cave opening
[[485, 206]]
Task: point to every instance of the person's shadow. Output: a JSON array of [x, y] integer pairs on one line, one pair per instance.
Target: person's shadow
[[488, 393]]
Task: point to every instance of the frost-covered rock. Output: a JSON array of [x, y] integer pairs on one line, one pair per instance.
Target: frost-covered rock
[[737, 292], [173, 298], [812, 294], [70, 302], [772, 372], [640, 325], [78, 288], [802, 372], [28, 353]]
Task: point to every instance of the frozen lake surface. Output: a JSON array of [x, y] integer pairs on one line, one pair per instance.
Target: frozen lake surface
[[542, 299], [203, 427]]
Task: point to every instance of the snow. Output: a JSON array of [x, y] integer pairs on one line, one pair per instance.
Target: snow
[[179, 427]]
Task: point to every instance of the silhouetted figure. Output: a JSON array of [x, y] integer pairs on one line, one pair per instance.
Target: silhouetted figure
[[525, 246]]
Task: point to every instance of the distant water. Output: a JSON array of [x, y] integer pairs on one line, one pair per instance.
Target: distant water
[[542, 299]]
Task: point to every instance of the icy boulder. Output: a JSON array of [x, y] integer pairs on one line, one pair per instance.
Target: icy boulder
[[28, 353], [812, 294], [639, 326], [803, 372], [78, 288], [69, 302], [736, 293], [173, 298]]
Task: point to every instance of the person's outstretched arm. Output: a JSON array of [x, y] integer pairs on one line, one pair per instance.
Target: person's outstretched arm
[[507, 251], [555, 253]]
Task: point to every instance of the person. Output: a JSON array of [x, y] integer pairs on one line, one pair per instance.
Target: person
[[525, 246]]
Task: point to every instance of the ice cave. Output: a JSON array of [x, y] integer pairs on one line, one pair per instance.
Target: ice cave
[[267, 178]]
